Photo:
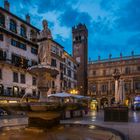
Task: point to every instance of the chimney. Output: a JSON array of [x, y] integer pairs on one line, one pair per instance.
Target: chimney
[[132, 53], [110, 55], [99, 58], [6, 5], [121, 56], [28, 18]]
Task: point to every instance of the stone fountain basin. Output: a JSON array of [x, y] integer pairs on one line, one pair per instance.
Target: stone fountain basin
[[37, 69], [61, 132]]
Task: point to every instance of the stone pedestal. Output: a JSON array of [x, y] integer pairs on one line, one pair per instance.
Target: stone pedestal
[[44, 83]]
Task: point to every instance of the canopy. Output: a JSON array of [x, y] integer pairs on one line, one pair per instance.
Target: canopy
[[61, 95], [77, 96]]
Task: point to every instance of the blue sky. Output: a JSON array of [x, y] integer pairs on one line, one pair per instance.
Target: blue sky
[[113, 25]]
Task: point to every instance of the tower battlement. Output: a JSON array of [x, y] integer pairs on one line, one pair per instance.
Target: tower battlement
[[79, 28]]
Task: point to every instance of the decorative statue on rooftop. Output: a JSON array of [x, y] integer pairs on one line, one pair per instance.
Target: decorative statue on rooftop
[[44, 46]]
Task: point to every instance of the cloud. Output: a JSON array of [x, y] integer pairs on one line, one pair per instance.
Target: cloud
[[113, 25], [72, 17], [129, 16]]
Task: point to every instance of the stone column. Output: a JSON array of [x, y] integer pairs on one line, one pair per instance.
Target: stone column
[[109, 87], [44, 80], [132, 85], [116, 90]]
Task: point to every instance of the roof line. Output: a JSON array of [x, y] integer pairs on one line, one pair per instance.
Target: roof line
[[1, 8]]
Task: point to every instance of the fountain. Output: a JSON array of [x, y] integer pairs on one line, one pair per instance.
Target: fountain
[[44, 71]]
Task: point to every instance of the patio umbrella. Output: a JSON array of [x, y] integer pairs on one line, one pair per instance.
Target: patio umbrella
[[60, 95]]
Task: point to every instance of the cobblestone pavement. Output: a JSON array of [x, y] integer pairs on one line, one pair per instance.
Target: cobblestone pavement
[[129, 129]]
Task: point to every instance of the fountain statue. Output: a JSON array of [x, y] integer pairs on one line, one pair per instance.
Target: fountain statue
[[44, 50], [43, 70]]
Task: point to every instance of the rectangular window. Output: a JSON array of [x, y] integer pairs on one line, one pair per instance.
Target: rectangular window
[[0, 73], [34, 50], [127, 86], [18, 44], [53, 63], [23, 31], [69, 72], [127, 70], [2, 20], [138, 68], [61, 76], [75, 76], [22, 78], [34, 81], [53, 84], [15, 77], [2, 55], [9, 91], [61, 66], [22, 92], [34, 93], [22, 46], [94, 88], [137, 85], [104, 88], [69, 63], [14, 43], [1, 37], [13, 26], [15, 60], [75, 67], [104, 72], [15, 91], [94, 72]]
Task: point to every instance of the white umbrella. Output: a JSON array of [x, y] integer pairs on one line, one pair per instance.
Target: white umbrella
[[60, 95], [77, 96]]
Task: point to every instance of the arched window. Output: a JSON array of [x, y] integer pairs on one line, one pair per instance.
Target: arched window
[[23, 31], [15, 91], [13, 25], [127, 70], [2, 20]]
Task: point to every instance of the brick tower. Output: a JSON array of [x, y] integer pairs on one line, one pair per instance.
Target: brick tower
[[80, 53]]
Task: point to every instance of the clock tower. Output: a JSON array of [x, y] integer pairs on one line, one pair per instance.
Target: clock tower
[[80, 54]]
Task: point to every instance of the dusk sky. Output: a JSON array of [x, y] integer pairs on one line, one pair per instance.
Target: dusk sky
[[113, 25]]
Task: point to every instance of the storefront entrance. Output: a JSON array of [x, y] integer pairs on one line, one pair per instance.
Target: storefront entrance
[[94, 104], [104, 103]]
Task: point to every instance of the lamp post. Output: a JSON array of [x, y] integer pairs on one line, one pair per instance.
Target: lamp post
[[116, 76]]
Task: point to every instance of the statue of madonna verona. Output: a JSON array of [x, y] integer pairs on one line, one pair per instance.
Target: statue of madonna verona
[[44, 49]]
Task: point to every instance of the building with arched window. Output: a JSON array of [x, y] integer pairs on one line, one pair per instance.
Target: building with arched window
[[101, 84]]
